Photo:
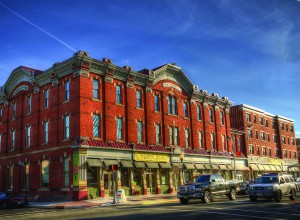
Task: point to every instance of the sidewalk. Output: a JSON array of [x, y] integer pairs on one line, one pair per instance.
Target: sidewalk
[[142, 199]]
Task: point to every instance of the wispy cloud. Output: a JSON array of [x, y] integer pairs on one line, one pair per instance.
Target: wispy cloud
[[37, 27]]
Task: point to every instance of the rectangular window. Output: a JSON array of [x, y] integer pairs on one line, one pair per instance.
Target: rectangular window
[[275, 138], [295, 155], [1, 114], [29, 104], [46, 126], [293, 141], [233, 143], [199, 112], [222, 118], [211, 116], [13, 139], [28, 131], [176, 136], [67, 127], [119, 94], [248, 117], [262, 136], [268, 137], [284, 154], [46, 104], [251, 148], [212, 135], [14, 110], [0, 142], [66, 172], [187, 137], [45, 174], [119, 129], [157, 131], [283, 139], [140, 131], [249, 133], [200, 139], [291, 128], [260, 120], [256, 134], [138, 99], [254, 118], [277, 152], [96, 125], [185, 110], [169, 104], [258, 153], [171, 135], [264, 152], [95, 89], [67, 90], [174, 106], [26, 177], [224, 143], [282, 126], [156, 103], [10, 177], [267, 123], [269, 152]]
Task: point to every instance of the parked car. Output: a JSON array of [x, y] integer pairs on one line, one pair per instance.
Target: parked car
[[273, 186], [244, 190], [297, 182], [10, 200]]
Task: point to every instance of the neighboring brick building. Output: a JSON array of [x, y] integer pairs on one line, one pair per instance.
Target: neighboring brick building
[[62, 128], [270, 142]]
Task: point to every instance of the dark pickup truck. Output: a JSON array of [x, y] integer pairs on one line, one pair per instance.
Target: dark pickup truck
[[206, 187]]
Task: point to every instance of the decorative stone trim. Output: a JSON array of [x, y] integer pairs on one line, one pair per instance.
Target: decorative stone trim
[[108, 79]]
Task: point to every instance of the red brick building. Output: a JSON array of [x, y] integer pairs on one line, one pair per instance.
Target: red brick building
[[270, 143], [62, 128]]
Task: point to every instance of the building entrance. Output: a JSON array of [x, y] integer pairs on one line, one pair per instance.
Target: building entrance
[[151, 182]]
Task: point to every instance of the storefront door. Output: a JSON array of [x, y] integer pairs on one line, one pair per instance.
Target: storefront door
[[108, 183], [151, 182]]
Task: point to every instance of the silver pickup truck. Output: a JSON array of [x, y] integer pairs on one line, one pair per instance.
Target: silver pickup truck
[[206, 187]]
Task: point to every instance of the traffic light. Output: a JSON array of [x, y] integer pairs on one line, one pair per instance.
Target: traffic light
[[113, 167]]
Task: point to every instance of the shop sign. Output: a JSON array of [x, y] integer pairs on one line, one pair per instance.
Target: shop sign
[[240, 162], [108, 154], [196, 159], [289, 162], [151, 157], [274, 161], [76, 168], [220, 160]]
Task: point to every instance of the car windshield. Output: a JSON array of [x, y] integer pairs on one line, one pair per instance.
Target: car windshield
[[203, 179], [244, 184], [267, 179]]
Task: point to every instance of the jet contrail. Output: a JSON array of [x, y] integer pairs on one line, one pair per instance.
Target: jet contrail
[[41, 29]]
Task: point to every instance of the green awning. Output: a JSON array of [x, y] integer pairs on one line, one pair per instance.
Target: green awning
[[199, 166], [110, 162], [189, 166], [152, 165], [127, 163], [94, 162], [165, 165]]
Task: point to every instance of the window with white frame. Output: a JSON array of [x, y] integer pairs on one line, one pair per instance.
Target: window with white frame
[[267, 123], [275, 138], [95, 89], [251, 149], [138, 99], [249, 133], [212, 137], [13, 139], [260, 119], [277, 153], [262, 135], [222, 120], [67, 90], [176, 136], [293, 141], [172, 105], [46, 132], [119, 94], [119, 129], [256, 134], [254, 118], [66, 172], [211, 116], [46, 101], [283, 139], [258, 150], [140, 131], [45, 174], [157, 133], [28, 134], [248, 117], [264, 152], [14, 110], [295, 155], [29, 100], [187, 138], [224, 142], [268, 137], [156, 103], [96, 125], [284, 154], [67, 127], [173, 135], [199, 112], [185, 109], [291, 128], [200, 139]]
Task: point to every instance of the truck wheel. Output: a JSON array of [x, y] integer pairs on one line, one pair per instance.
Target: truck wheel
[[184, 201], [206, 197], [293, 194], [252, 199], [278, 196], [232, 194]]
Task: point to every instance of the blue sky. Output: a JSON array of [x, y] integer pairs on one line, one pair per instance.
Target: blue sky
[[248, 51]]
